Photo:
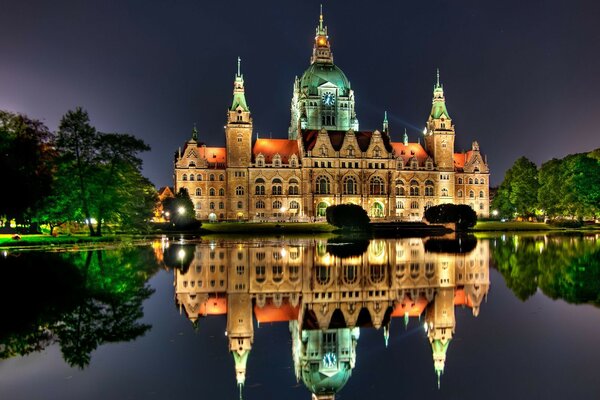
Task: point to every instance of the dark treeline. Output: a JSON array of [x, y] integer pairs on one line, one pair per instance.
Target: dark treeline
[[77, 300], [565, 268], [561, 188], [76, 174]]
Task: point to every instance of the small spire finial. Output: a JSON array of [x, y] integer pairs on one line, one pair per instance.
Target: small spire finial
[[321, 18], [239, 62], [438, 77], [195, 132]]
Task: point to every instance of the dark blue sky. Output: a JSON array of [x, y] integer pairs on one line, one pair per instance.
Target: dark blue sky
[[521, 77]]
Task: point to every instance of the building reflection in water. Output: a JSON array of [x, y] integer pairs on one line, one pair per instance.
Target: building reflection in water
[[327, 298]]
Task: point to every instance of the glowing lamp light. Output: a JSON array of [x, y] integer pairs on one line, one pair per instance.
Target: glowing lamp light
[[283, 252], [495, 213], [181, 210], [167, 213], [181, 254], [283, 209]]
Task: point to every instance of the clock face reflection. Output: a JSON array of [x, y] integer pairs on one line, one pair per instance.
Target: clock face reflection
[[329, 360], [328, 98]]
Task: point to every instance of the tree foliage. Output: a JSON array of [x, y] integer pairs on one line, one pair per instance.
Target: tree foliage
[[461, 214], [347, 216], [26, 157], [181, 210], [100, 174], [517, 195]]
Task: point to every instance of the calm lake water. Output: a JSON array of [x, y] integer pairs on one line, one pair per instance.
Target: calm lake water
[[511, 316]]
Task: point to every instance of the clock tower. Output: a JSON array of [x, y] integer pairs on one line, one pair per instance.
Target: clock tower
[[322, 96]]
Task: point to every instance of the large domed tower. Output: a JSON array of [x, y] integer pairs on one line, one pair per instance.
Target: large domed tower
[[322, 96]]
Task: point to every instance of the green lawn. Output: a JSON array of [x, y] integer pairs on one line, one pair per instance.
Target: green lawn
[[6, 240], [511, 226], [267, 227]]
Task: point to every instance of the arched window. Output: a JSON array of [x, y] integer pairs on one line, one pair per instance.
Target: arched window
[[184, 177], [293, 161], [460, 181], [260, 186], [322, 185], [260, 161], [428, 188], [482, 181], [399, 205], [211, 192], [198, 192], [470, 181], [212, 205], [294, 205], [481, 194], [376, 186], [221, 177], [191, 177], [444, 192], [240, 204], [414, 205], [221, 192], [276, 205], [471, 194], [459, 193], [260, 204], [221, 205], [198, 177], [293, 188], [239, 191], [414, 188], [276, 188], [428, 204], [476, 181], [277, 161], [350, 186], [377, 210], [211, 177]]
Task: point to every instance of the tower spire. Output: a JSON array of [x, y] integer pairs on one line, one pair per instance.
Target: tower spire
[[438, 78], [405, 138], [239, 97], [385, 122], [321, 50], [240, 61], [194, 133]]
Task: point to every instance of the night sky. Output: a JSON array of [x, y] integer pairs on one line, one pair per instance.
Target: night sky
[[521, 77]]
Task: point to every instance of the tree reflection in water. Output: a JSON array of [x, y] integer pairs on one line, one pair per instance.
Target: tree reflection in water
[[563, 267], [79, 300], [326, 292]]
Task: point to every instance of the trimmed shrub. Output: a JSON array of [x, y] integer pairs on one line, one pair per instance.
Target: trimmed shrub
[[347, 216], [566, 223], [461, 214]]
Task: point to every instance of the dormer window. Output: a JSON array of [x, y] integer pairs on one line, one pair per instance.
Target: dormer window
[[277, 161], [192, 164], [323, 151], [350, 151], [260, 161], [376, 152], [293, 161]]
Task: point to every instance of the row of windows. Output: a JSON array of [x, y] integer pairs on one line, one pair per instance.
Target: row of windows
[[276, 205], [260, 161], [199, 177], [472, 181], [459, 193]]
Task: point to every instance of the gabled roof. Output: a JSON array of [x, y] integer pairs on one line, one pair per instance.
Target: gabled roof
[[270, 147], [309, 138], [410, 150]]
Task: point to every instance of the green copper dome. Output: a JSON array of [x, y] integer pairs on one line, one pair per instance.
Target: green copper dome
[[319, 383], [320, 73]]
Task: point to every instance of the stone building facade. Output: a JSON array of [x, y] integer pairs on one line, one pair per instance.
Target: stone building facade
[[327, 160]]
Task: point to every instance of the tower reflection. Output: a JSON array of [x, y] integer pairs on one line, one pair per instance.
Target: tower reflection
[[326, 294]]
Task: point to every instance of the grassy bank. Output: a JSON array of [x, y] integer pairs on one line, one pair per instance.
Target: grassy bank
[[511, 226], [42, 242], [266, 227]]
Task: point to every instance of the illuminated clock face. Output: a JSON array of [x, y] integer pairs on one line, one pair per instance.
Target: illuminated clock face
[[328, 98], [329, 360]]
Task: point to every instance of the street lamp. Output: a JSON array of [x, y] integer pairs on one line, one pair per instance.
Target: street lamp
[[181, 210]]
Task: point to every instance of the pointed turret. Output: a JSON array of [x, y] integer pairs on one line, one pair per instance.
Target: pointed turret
[[405, 138], [385, 123], [195, 134], [321, 49], [239, 98], [438, 108]]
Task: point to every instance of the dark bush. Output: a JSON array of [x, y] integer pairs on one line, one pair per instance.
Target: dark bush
[[566, 223], [346, 248], [347, 216], [461, 214]]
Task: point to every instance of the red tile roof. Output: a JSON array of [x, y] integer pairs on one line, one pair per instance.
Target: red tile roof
[[270, 147], [460, 159], [271, 313], [406, 152]]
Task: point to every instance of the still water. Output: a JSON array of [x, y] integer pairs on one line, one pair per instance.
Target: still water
[[510, 316]]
